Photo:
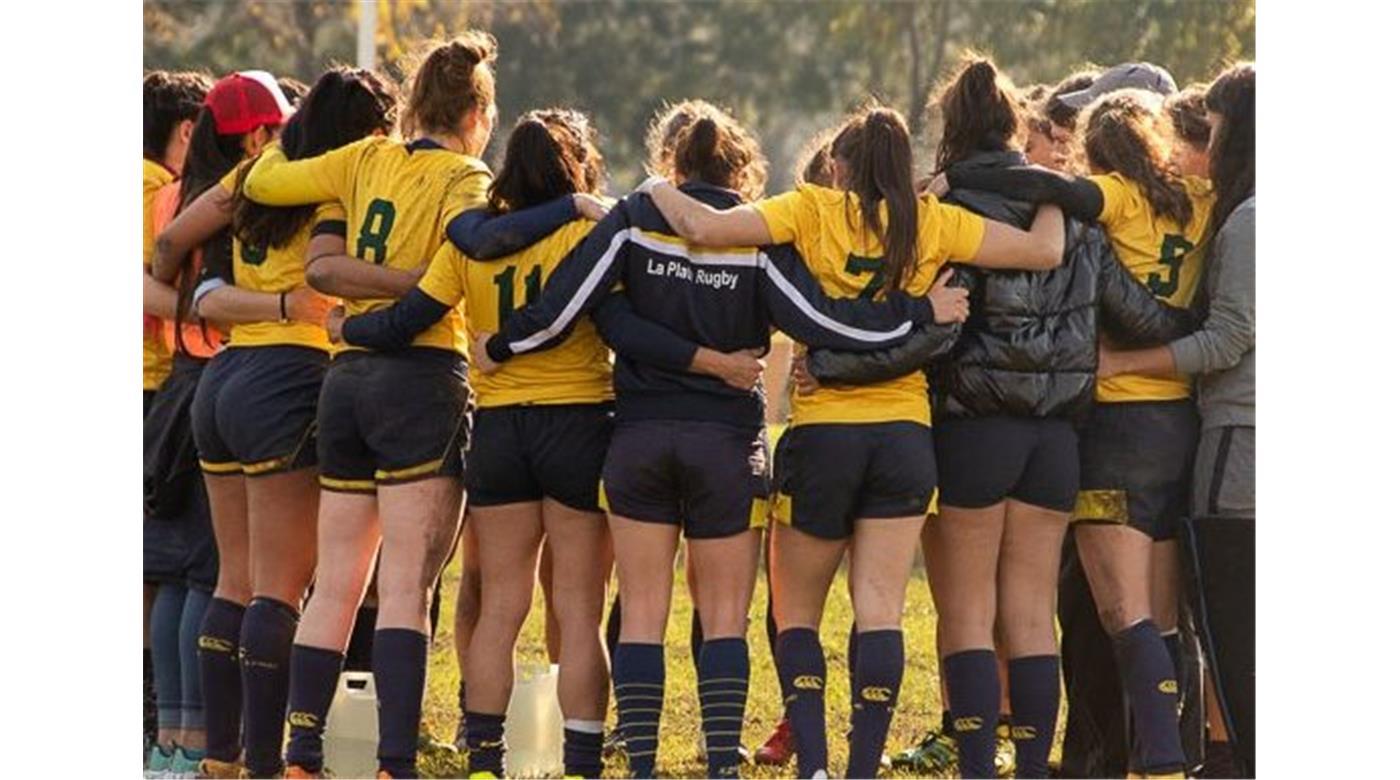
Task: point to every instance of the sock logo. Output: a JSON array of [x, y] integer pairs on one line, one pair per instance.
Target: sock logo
[[302, 720], [215, 644], [807, 682], [875, 693], [969, 723], [1167, 686], [1023, 732]]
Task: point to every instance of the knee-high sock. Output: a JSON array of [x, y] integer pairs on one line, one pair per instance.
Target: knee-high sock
[[879, 672], [639, 683], [770, 628], [1172, 639], [724, 693], [583, 748], [1035, 703], [191, 686], [359, 653], [400, 671], [803, 668], [974, 700], [265, 650], [314, 674], [1145, 667], [221, 679], [486, 743], [166, 614], [852, 663]]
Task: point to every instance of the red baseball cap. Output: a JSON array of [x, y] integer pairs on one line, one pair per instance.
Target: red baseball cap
[[244, 101]]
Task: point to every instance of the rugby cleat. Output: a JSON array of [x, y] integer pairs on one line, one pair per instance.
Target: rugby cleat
[[158, 764], [780, 747], [185, 764], [1006, 751], [936, 753], [225, 770]]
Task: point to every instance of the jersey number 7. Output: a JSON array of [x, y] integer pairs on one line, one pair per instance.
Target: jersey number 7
[[857, 265]]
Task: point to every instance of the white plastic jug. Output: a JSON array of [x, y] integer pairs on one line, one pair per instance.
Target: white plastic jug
[[534, 723], [352, 727]]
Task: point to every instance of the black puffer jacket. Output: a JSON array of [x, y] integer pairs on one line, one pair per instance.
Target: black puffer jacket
[[1030, 346]]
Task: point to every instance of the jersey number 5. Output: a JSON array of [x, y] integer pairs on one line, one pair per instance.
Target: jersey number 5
[[505, 291], [857, 265], [374, 231], [1174, 251]]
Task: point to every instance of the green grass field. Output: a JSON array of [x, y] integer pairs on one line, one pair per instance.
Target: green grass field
[[919, 703]]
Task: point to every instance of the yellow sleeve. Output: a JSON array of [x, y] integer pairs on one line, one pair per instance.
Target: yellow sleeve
[[960, 233], [148, 224], [330, 211], [445, 280], [1118, 195], [783, 215], [276, 181], [467, 192], [230, 180]]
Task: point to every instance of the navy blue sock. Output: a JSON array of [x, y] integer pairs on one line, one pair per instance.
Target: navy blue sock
[[165, 653], [697, 637], [770, 628], [265, 649], [879, 672], [947, 721], [1145, 668], [359, 653], [314, 675], [852, 663], [974, 701], [486, 743], [400, 671], [724, 693], [583, 752], [1173, 643], [1034, 683], [802, 665], [191, 687], [639, 684], [148, 686], [220, 678]]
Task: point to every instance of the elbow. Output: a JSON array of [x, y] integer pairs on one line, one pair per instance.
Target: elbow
[[162, 269], [693, 228], [320, 278], [1050, 257]]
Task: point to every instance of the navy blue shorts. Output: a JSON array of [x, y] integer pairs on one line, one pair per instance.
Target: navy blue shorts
[[710, 478], [255, 411], [830, 475], [983, 461], [1135, 462], [528, 453], [388, 418]]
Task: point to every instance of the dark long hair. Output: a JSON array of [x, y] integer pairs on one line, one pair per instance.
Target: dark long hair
[[1232, 147], [875, 149], [1126, 134], [550, 153], [980, 113], [345, 105]]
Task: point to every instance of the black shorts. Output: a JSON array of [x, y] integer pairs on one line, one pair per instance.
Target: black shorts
[[255, 412], [388, 418], [985, 460], [177, 540], [529, 453], [710, 478], [1135, 465], [830, 475]]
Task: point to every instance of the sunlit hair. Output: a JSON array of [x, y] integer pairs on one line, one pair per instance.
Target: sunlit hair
[[550, 153], [980, 112], [450, 79], [814, 162], [1232, 147], [168, 99], [1187, 110], [1126, 133], [874, 150], [697, 141]]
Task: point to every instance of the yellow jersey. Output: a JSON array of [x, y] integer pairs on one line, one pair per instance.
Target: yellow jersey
[[278, 270], [826, 227], [576, 371], [1165, 256], [155, 353], [398, 199]]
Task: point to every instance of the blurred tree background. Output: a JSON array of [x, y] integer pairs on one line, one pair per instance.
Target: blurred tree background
[[787, 68]]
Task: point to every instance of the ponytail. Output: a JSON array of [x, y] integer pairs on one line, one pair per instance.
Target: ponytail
[[716, 149], [879, 162], [550, 153], [980, 113]]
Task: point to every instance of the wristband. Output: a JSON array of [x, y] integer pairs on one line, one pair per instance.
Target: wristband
[[282, 307]]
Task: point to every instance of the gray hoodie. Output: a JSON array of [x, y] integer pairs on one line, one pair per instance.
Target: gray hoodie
[[1221, 353]]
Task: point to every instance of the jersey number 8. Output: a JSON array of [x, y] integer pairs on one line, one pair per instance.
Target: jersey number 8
[[374, 231]]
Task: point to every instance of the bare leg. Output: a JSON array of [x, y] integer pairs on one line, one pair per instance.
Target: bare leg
[[1028, 577], [468, 597], [646, 557], [282, 534], [228, 513], [347, 542], [580, 553], [551, 614], [1166, 584], [512, 533], [963, 574], [724, 582]]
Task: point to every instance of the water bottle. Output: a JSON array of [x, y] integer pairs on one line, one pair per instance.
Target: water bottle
[[534, 723], [352, 727]]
